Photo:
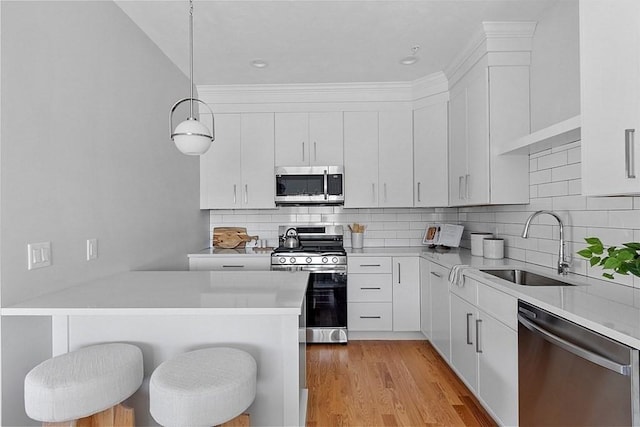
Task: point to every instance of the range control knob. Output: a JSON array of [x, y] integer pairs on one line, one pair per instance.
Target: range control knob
[[334, 260], [325, 260], [308, 260], [283, 260], [292, 260]]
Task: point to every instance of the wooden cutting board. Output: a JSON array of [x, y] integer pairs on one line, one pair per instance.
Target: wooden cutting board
[[231, 237]]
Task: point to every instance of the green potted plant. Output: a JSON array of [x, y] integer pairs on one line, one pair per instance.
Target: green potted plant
[[621, 260]]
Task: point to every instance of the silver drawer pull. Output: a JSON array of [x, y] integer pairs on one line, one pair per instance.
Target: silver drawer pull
[[469, 316], [478, 346], [436, 274], [369, 265], [370, 317], [233, 266], [370, 289]]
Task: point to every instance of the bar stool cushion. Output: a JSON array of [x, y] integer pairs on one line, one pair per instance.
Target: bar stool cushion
[[82, 382], [203, 387]]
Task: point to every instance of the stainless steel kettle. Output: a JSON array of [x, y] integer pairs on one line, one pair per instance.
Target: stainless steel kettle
[[290, 239]]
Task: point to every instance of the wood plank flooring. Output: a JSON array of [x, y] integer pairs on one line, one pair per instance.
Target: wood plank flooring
[[386, 383]]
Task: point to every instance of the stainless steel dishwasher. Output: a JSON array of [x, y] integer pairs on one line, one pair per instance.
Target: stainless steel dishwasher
[[571, 376]]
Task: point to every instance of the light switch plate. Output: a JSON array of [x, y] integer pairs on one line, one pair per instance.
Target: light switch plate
[[92, 249], [38, 255]]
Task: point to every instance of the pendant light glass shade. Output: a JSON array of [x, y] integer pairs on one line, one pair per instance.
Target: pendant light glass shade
[[191, 136]]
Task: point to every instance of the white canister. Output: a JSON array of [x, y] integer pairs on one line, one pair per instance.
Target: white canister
[[476, 242], [493, 248]]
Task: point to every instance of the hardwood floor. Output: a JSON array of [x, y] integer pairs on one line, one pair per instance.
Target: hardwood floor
[[386, 383]]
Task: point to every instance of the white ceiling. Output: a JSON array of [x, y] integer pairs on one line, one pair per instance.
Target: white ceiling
[[319, 41]]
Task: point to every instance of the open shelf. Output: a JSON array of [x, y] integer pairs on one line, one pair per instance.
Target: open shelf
[[557, 134]]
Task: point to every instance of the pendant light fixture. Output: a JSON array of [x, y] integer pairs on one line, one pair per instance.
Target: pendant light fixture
[[191, 136]]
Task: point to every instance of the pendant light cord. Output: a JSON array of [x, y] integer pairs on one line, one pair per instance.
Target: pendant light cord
[[191, 56]]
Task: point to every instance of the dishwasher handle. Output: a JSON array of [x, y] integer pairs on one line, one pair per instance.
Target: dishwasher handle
[[576, 350]]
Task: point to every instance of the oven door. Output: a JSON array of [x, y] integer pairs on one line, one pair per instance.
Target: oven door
[[327, 307]]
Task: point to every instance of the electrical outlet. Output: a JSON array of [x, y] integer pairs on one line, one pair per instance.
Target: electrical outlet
[[92, 249], [38, 255]]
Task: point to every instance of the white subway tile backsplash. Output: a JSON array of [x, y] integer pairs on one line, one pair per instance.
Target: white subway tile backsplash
[[569, 203], [553, 189], [574, 155], [552, 160], [624, 219], [575, 186], [609, 203], [565, 173], [540, 177]]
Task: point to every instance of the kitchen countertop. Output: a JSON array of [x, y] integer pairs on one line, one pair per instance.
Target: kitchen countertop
[[175, 292], [221, 252]]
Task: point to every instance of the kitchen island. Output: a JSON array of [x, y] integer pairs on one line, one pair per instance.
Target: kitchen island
[[166, 313]]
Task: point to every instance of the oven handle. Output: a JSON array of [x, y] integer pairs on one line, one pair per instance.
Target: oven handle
[[309, 269], [625, 370], [326, 185]]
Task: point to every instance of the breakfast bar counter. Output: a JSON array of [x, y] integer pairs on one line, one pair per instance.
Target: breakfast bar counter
[[166, 313]]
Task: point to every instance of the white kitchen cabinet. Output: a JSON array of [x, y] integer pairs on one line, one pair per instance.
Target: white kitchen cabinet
[[309, 139], [430, 164], [230, 263], [378, 159], [440, 321], [488, 106], [464, 357], [383, 294], [406, 293], [609, 96], [484, 346], [425, 298], [237, 171]]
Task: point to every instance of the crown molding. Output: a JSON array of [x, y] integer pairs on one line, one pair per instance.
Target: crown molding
[[493, 37]]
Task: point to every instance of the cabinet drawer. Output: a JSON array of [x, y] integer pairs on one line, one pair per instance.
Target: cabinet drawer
[[369, 316], [467, 291], [369, 264], [231, 263], [369, 288], [499, 305]]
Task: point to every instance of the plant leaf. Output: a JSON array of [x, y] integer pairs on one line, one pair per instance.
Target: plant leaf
[[596, 249], [632, 245], [586, 253], [593, 241], [626, 255], [594, 260], [612, 263], [608, 276]]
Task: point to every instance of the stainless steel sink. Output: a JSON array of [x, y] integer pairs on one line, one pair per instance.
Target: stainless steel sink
[[526, 278]]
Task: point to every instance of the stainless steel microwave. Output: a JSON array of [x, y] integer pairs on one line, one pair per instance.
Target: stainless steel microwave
[[307, 185]]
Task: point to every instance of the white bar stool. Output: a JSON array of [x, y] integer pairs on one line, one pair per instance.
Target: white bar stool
[[85, 387], [205, 387]]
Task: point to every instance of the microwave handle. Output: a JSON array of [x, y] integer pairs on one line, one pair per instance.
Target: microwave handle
[[326, 185]]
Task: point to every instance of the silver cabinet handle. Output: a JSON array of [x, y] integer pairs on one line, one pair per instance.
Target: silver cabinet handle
[[303, 151], [419, 191], [326, 185], [370, 289], [373, 191], [399, 277], [315, 151], [369, 265], [629, 139], [469, 316], [232, 266], [370, 317], [478, 323], [466, 186], [385, 192], [246, 194], [625, 370], [460, 186], [438, 275], [235, 200]]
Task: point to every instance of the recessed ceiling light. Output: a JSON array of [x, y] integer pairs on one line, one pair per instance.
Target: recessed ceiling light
[[259, 63], [411, 59]]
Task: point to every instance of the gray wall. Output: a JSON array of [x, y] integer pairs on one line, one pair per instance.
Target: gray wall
[[85, 154]]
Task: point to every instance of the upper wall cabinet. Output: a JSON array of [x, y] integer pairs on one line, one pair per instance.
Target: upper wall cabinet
[[304, 139], [430, 141], [378, 159], [489, 104], [610, 96], [237, 171]]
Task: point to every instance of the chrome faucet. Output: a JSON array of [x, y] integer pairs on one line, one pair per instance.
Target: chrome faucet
[[563, 265]]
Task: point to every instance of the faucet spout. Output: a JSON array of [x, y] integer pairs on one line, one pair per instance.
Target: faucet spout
[[563, 265]]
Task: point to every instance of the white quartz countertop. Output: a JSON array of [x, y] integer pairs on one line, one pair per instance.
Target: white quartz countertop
[[175, 292], [221, 252]]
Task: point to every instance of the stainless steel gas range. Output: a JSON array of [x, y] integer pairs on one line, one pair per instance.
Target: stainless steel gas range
[[319, 250]]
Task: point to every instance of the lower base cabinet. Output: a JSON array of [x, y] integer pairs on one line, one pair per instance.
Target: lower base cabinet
[[230, 263], [484, 346], [440, 321]]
